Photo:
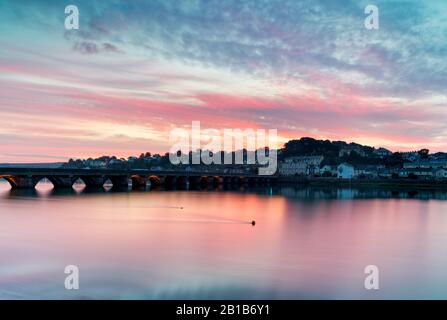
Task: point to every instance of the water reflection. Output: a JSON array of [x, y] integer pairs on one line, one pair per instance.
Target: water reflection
[[356, 193], [45, 188], [169, 244]]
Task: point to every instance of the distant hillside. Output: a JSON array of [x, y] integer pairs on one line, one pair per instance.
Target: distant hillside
[[334, 152]]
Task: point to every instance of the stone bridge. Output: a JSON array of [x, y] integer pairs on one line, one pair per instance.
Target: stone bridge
[[96, 178]]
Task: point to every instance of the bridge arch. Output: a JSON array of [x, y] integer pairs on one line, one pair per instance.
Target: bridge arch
[[217, 180], [108, 184], [155, 180], [137, 181], [11, 180], [78, 182], [44, 182]]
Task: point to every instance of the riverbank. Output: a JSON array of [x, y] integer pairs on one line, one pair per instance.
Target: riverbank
[[364, 183]]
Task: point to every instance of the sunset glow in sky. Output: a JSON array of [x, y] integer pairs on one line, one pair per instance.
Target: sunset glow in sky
[[137, 69]]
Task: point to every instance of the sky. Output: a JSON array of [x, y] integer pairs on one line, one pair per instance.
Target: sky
[[135, 70]]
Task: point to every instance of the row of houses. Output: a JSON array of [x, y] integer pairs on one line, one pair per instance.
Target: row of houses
[[306, 165], [312, 165], [426, 164], [348, 171]]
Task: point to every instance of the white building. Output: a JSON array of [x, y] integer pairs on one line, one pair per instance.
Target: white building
[[300, 165], [345, 171]]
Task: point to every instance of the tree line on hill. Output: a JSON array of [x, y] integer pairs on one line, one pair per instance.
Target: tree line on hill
[[331, 150]]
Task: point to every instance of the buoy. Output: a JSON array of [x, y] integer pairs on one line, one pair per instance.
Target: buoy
[[253, 222]]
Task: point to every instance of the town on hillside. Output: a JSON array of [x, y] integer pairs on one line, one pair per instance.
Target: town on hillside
[[306, 157]]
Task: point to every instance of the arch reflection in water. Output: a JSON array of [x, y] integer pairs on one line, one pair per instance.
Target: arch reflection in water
[[44, 187], [357, 193], [307, 243]]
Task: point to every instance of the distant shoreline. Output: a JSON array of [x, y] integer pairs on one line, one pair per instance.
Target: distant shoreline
[[365, 183]]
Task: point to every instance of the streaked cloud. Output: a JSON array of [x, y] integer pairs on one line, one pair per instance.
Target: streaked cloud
[[137, 68]]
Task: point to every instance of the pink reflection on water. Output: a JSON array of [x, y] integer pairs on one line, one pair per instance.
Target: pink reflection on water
[[5, 187], [177, 243], [44, 187]]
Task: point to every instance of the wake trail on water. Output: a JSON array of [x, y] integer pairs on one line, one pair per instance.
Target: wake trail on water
[[172, 220], [213, 218], [221, 218], [72, 201]]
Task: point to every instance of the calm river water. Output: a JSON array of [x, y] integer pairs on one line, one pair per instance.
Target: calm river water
[[307, 243]]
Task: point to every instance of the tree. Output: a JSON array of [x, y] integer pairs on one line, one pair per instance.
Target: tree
[[423, 153], [394, 160]]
